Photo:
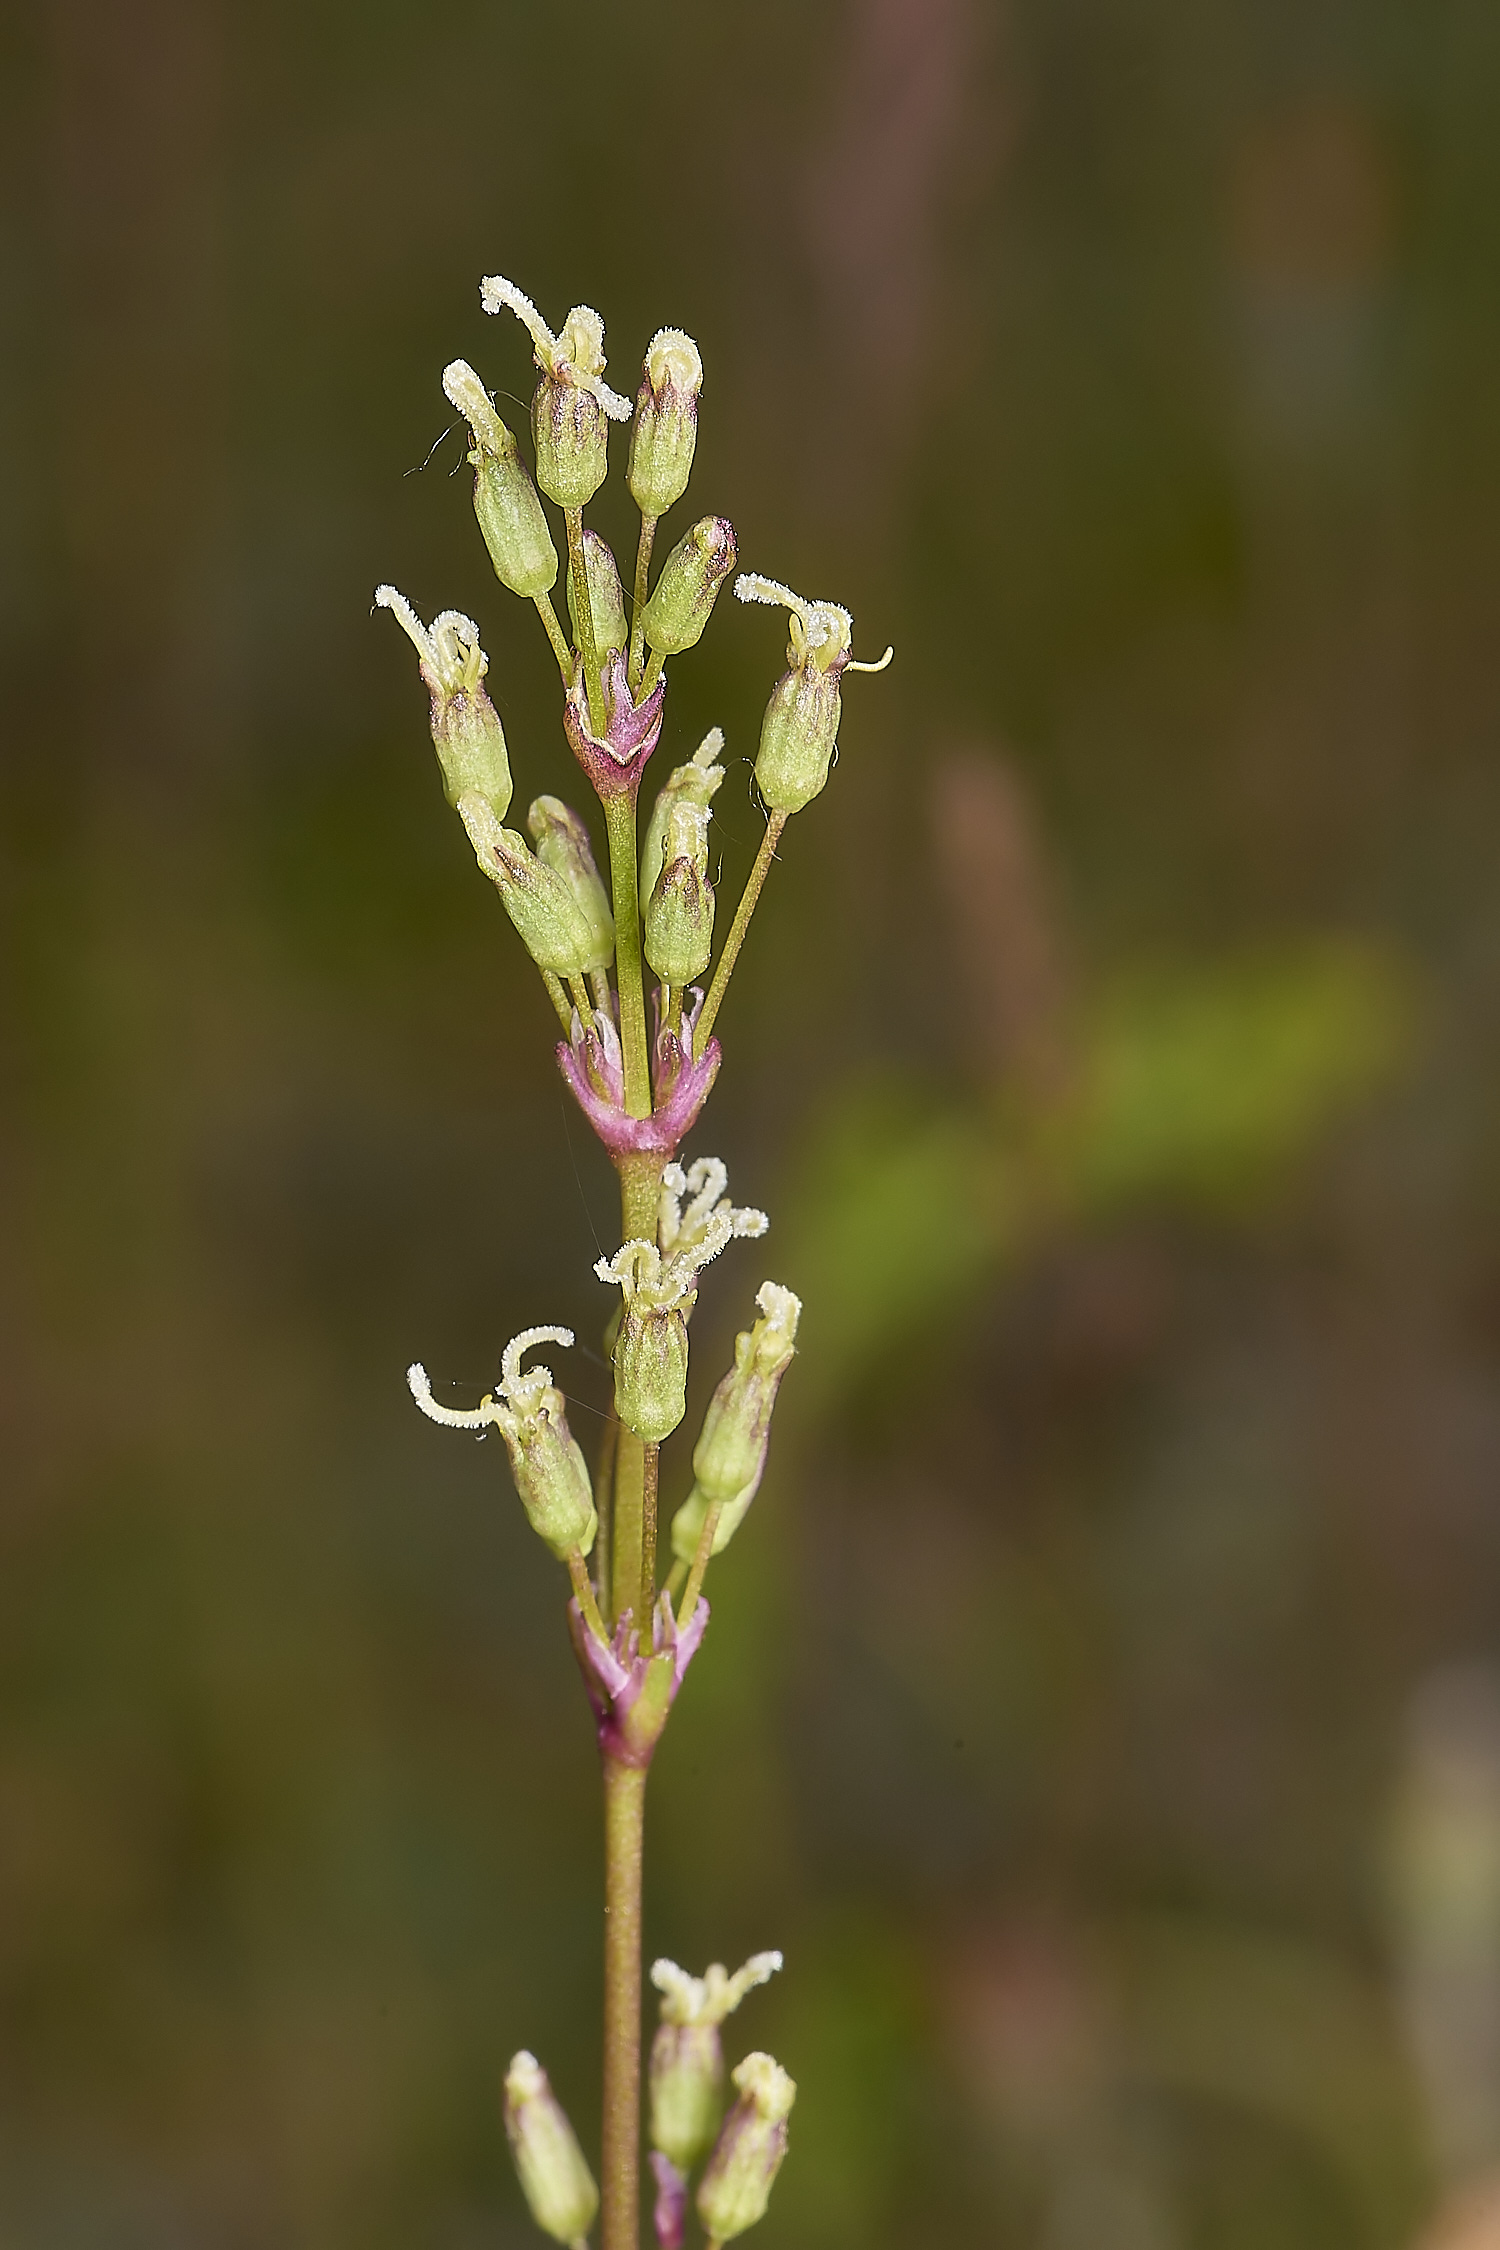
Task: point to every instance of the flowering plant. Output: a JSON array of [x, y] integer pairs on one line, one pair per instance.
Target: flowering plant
[[642, 1091]]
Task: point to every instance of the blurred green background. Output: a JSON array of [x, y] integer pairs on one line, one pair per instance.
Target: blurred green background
[[1100, 1707]]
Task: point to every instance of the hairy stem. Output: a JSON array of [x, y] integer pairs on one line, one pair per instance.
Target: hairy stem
[[649, 1461], [638, 607], [560, 648], [583, 617], [755, 884], [624, 1836], [604, 1503], [624, 877]]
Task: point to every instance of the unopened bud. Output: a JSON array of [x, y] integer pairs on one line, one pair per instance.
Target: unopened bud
[[736, 2186], [730, 1456], [510, 514], [573, 406], [687, 2056], [466, 730], [800, 730], [665, 430], [694, 783], [548, 918], [679, 933], [606, 600], [562, 843], [556, 2181], [690, 579]]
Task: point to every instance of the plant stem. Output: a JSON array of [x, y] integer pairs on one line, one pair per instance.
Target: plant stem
[[651, 1455], [559, 1001], [624, 1835], [585, 1592], [700, 1564], [599, 979], [638, 609], [583, 617], [754, 885], [560, 648], [624, 876], [604, 1503], [580, 992], [653, 673], [640, 1203]]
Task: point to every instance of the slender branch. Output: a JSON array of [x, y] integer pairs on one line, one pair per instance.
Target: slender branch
[[578, 1572], [700, 1564], [638, 607], [653, 674], [629, 1527], [649, 1464], [754, 885], [583, 617], [624, 876], [560, 648], [580, 992], [599, 979], [559, 1001], [624, 1840], [604, 1505]]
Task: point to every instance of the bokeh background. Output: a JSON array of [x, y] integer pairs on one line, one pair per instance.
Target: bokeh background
[[1100, 1708]]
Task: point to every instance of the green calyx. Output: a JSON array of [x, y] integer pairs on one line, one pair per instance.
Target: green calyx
[[684, 595], [466, 730], [606, 598], [679, 919], [551, 924], [694, 784], [562, 844], [665, 431]]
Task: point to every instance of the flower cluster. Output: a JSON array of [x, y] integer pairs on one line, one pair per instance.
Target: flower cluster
[[625, 944]]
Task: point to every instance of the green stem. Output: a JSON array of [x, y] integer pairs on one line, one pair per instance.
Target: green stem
[[583, 617], [700, 1564], [559, 999], [754, 885], [624, 1839], [647, 1611], [626, 1544], [560, 648], [580, 992], [638, 610], [585, 1593], [604, 1503], [624, 876], [653, 674]]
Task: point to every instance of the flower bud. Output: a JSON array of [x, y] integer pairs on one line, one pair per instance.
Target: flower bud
[[687, 2057], [555, 2179], [510, 514], [606, 600], [551, 923], [736, 2186], [665, 430], [800, 730], [730, 1456], [573, 406], [466, 730], [690, 579], [695, 782], [562, 843], [679, 933]]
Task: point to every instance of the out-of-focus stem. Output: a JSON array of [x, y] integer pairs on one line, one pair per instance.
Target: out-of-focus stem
[[755, 884], [624, 1838], [578, 1572]]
